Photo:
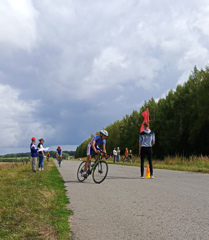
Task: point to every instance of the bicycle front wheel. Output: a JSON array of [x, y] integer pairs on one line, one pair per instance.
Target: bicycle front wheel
[[100, 172], [80, 171], [60, 162]]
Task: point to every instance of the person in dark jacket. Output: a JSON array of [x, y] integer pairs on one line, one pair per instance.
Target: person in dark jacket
[[34, 153]]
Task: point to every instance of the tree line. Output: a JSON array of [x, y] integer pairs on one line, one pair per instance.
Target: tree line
[[180, 122], [66, 154]]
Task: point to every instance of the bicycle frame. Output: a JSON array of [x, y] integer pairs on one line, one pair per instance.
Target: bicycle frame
[[96, 163]]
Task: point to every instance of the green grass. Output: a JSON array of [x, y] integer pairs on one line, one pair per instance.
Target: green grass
[[191, 164], [33, 205]]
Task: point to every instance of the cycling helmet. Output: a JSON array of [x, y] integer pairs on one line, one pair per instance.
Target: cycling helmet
[[104, 132], [59, 147], [33, 139]]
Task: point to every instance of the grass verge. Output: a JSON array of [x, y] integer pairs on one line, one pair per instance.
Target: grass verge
[[178, 163], [33, 205]]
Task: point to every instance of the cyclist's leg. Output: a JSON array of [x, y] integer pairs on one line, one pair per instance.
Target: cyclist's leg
[[89, 153], [87, 163]]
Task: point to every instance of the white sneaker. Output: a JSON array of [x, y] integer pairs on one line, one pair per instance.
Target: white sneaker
[[39, 169], [142, 177], [84, 174], [152, 177]]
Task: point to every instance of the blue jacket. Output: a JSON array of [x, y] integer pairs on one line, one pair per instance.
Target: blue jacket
[[34, 150]]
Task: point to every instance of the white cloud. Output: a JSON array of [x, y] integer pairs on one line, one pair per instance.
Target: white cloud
[[195, 55], [202, 21], [17, 24], [17, 123]]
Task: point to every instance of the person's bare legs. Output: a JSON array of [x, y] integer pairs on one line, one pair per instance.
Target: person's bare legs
[[87, 162]]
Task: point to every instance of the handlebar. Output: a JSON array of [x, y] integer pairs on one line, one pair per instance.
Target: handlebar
[[105, 152]]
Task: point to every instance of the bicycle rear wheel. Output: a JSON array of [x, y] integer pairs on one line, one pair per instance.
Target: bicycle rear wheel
[[100, 172], [80, 171]]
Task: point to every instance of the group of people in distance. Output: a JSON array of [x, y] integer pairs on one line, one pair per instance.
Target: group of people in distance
[[41, 154], [116, 154], [146, 141]]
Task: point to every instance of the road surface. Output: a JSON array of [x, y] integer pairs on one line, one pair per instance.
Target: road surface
[[174, 205]]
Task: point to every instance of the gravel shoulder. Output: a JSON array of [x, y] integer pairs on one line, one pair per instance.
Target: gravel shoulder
[[174, 205]]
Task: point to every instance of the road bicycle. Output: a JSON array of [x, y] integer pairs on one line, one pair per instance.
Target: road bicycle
[[99, 170], [128, 159], [59, 161]]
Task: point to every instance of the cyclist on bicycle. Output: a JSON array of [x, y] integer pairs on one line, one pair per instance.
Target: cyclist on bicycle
[[93, 146], [59, 153], [48, 156]]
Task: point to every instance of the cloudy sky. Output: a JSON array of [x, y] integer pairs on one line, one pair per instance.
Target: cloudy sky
[[71, 67]]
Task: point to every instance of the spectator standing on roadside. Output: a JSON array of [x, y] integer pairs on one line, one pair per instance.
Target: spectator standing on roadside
[[118, 154], [126, 153], [146, 141], [34, 153], [41, 155], [114, 155], [130, 155]]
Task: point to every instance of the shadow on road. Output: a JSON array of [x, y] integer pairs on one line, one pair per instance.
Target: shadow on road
[[113, 177], [107, 178]]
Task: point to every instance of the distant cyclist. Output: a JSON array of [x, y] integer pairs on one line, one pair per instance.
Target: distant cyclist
[[93, 146], [59, 153], [48, 156]]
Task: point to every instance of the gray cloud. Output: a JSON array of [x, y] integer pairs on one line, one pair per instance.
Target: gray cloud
[[69, 68]]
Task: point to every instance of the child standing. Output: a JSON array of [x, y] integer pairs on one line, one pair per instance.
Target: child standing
[[34, 153]]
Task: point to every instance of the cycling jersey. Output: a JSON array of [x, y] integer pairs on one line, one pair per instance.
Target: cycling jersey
[[59, 151], [98, 141]]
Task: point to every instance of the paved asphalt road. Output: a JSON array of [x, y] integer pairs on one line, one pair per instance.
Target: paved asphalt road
[[174, 205]]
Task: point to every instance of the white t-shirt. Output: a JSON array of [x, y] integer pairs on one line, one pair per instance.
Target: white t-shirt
[[114, 152]]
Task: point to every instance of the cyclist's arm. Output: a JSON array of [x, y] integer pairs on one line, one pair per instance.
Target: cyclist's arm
[[104, 149], [94, 148]]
